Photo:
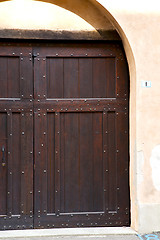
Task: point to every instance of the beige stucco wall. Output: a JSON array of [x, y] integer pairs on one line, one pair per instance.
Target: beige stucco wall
[[139, 21], [138, 25]]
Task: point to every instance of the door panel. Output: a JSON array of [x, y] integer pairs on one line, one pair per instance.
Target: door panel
[[16, 192], [16, 138], [64, 135], [16, 74], [82, 109], [80, 77], [81, 141], [9, 77]]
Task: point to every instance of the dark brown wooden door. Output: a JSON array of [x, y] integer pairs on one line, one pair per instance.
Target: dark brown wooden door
[[81, 136], [64, 136], [16, 138]]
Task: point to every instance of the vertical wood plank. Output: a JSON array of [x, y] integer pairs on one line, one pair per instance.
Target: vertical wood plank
[[62, 162], [40, 84], [123, 155], [13, 71], [40, 126], [27, 163], [3, 77], [98, 183], [85, 77], [112, 161], [3, 169], [57, 163], [123, 77], [55, 77], [86, 165], [71, 87], [26, 78], [16, 163], [51, 163], [105, 153], [71, 162], [99, 78], [9, 164], [111, 77]]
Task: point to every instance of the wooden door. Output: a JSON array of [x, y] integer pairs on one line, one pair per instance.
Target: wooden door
[[16, 138], [64, 136], [81, 136]]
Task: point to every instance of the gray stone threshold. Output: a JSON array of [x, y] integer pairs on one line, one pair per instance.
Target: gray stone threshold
[[98, 231]]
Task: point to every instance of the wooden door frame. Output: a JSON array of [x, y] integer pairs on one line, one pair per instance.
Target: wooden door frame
[[44, 41]]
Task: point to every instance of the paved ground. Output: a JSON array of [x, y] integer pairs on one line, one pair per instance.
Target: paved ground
[[109, 237], [153, 236]]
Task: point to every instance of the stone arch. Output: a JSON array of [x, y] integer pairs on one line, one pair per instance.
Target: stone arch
[[101, 19]]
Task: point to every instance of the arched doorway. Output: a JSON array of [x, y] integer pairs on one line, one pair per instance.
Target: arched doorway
[[69, 120]]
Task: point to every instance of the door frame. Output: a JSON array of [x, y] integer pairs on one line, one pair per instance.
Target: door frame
[[32, 42]]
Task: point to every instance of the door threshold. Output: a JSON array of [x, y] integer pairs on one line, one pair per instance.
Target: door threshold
[[98, 231]]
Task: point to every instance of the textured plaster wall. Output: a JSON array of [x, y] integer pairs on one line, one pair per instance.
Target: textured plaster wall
[[138, 25], [139, 21]]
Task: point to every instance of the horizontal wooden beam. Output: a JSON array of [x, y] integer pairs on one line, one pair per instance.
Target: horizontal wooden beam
[[59, 35]]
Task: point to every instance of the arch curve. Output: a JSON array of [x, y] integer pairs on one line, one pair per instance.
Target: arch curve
[[101, 19]]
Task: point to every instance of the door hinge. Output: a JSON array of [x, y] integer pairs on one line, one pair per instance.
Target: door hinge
[[34, 55]]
